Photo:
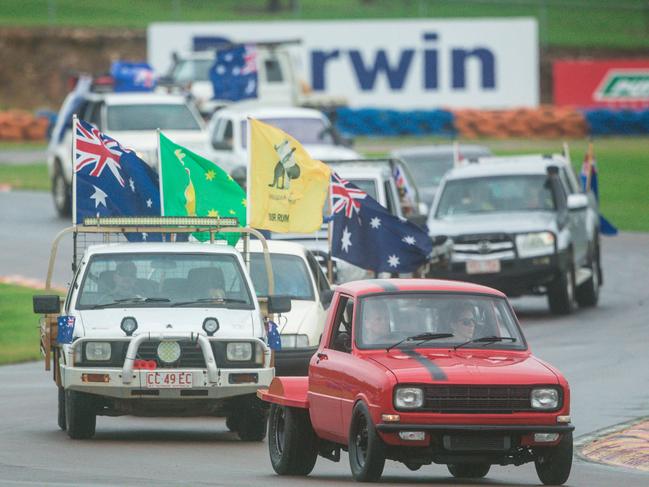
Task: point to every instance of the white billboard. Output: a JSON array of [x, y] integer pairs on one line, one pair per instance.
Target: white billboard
[[402, 64]]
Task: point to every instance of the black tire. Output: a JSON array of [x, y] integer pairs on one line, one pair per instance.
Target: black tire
[[253, 419], [232, 422], [366, 448], [561, 292], [553, 464], [61, 409], [292, 443], [80, 415], [588, 293], [61, 192], [469, 470]]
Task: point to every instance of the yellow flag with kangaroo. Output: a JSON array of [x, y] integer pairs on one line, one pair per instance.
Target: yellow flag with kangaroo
[[287, 189]]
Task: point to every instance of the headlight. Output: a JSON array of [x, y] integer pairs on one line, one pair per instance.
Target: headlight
[[294, 341], [169, 352], [238, 351], [533, 244], [128, 325], [98, 351], [408, 398], [545, 398]]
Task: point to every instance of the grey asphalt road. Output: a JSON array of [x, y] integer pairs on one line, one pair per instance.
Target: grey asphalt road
[[602, 352]]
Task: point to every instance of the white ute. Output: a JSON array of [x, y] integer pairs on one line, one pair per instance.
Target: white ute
[[160, 329]]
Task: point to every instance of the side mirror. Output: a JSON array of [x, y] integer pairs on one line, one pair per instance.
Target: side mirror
[[423, 208], [46, 304], [577, 201], [325, 297], [279, 304]]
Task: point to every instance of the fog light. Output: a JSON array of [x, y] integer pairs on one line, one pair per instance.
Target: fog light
[[390, 418], [545, 437], [412, 435], [169, 352]]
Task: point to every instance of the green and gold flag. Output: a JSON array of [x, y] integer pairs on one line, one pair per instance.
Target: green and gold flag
[[191, 185]]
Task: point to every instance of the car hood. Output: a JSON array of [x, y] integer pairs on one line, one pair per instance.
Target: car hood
[[465, 367], [515, 222], [105, 322], [330, 152], [301, 318]]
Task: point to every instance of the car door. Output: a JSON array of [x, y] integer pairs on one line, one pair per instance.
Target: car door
[[326, 388]]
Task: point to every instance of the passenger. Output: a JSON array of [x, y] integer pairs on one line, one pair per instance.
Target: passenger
[[376, 323]]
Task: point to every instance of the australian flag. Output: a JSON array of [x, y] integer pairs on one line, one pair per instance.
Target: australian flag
[[589, 182], [367, 235], [234, 73], [111, 180]]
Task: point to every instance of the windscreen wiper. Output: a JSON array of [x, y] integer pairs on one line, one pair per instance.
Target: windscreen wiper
[[422, 337], [119, 302], [210, 300], [487, 340]]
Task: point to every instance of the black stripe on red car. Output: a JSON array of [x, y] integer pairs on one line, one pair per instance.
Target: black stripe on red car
[[433, 369]]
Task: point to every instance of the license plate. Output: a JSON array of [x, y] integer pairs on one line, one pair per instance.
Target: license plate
[[160, 380], [488, 266]]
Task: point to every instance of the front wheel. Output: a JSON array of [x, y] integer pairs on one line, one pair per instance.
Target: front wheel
[[588, 292], [61, 192], [61, 409], [80, 415], [292, 443], [553, 464], [469, 470], [366, 448], [252, 420], [561, 293]]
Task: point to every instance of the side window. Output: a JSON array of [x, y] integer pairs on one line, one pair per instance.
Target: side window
[[273, 70], [340, 338], [321, 281], [93, 114], [389, 198], [227, 132]]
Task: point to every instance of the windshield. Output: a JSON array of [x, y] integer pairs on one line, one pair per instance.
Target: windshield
[[291, 276], [307, 130], [366, 185], [192, 70], [384, 320], [495, 194], [165, 116], [429, 170], [163, 279]]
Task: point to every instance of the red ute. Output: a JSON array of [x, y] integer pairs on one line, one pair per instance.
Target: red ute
[[422, 371]]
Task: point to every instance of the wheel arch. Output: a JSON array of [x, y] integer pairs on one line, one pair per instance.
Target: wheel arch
[[287, 391]]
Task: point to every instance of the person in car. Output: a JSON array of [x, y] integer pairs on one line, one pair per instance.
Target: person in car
[[124, 281], [376, 323], [463, 322]]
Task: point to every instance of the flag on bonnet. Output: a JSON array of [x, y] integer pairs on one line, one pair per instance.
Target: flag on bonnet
[[367, 235], [110, 180]]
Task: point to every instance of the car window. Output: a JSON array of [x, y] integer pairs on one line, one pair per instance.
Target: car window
[[429, 170], [273, 70], [367, 186], [307, 130], [389, 198], [165, 116], [192, 70], [340, 338], [165, 279], [385, 319], [496, 194], [321, 280], [290, 272]]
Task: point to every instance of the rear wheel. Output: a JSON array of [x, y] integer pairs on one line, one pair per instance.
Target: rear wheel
[[61, 192], [292, 443], [61, 409], [561, 292], [251, 422], [366, 448], [469, 470], [80, 416], [553, 464]]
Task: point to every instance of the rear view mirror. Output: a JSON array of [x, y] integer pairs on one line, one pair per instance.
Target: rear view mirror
[[46, 304], [279, 304]]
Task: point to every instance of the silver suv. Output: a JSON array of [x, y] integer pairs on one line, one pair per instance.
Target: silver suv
[[522, 225]]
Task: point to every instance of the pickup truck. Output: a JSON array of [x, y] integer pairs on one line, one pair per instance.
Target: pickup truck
[[422, 371], [158, 329]]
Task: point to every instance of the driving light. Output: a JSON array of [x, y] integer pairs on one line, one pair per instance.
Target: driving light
[[535, 244], [545, 398], [128, 325], [408, 398], [99, 351], [545, 437], [169, 351], [412, 435], [238, 351], [210, 325]]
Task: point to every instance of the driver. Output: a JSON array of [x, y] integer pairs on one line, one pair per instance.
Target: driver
[[463, 322], [376, 323], [124, 281]]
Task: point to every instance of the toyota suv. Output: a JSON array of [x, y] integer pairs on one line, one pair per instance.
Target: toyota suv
[[521, 225]]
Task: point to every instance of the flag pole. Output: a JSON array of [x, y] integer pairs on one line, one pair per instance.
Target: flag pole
[[74, 172], [456, 153], [162, 207], [330, 265], [246, 238], [589, 176], [566, 152]]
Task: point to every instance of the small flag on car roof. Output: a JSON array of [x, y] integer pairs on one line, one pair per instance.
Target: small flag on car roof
[[590, 182]]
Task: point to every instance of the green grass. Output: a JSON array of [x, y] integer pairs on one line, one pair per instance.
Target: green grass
[[25, 176], [622, 162], [621, 24], [22, 145], [19, 333]]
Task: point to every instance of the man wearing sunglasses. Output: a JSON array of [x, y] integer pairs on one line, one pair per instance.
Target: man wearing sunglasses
[[463, 322]]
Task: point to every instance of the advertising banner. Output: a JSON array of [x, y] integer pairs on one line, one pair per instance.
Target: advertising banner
[[602, 83], [402, 64]]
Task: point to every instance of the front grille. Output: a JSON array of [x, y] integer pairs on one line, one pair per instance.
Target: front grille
[[500, 244], [477, 399], [191, 355]]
